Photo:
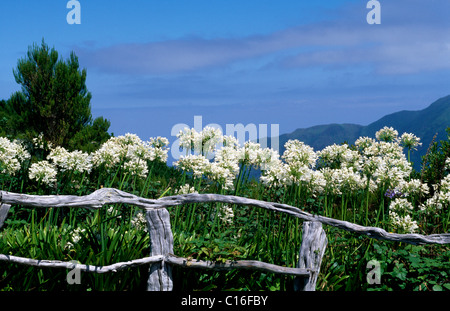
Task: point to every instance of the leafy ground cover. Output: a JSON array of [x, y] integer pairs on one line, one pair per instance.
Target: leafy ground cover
[[371, 182]]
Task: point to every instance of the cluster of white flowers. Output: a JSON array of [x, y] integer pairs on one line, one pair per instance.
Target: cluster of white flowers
[[196, 164], [71, 161], [132, 151], [139, 222], [226, 214], [136, 167], [409, 141], [12, 155], [399, 216], [186, 189], [339, 169], [333, 169], [413, 187], [295, 166], [160, 148], [43, 172], [440, 198], [128, 150], [404, 224], [76, 235], [298, 154], [343, 180], [400, 205], [40, 142], [203, 142], [249, 154], [277, 175], [109, 154], [382, 161], [334, 156], [227, 156], [222, 172], [387, 134]]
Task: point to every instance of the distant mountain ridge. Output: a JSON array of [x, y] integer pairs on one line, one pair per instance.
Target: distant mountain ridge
[[423, 123]]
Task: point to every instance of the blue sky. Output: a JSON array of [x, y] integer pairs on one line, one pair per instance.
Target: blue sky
[[153, 64]]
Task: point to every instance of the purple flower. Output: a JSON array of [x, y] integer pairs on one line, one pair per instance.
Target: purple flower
[[393, 193]]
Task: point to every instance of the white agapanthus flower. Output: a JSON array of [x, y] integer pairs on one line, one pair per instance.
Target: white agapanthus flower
[[71, 161], [404, 224], [299, 154], [203, 142], [76, 235], [160, 148], [196, 164], [139, 221], [12, 155], [349, 180], [43, 172], [335, 155], [109, 154], [39, 142], [132, 152], [364, 142], [401, 205], [387, 134], [215, 171], [276, 175], [136, 167], [226, 214], [410, 141], [249, 154], [440, 198], [210, 138], [413, 187], [268, 158], [228, 157], [230, 141], [383, 162], [188, 139], [186, 189], [399, 215]]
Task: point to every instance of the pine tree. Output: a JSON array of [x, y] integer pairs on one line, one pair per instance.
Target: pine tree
[[54, 100]]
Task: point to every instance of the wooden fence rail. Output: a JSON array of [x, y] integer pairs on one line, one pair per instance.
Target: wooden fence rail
[[162, 259]]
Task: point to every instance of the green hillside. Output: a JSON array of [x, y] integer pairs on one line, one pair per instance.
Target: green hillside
[[321, 136], [423, 123]]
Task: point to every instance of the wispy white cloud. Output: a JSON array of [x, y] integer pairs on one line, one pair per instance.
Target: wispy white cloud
[[390, 49], [335, 63]]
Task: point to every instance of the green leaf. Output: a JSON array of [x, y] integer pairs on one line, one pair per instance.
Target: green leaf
[[437, 288]]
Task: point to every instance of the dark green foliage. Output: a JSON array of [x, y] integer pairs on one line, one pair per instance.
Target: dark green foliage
[[53, 100], [14, 116], [409, 267], [90, 137], [433, 162]]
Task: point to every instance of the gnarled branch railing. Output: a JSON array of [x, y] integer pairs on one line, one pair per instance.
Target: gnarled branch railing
[[161, 258]]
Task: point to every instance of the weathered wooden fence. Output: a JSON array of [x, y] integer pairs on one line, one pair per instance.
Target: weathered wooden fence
[[161, 259]]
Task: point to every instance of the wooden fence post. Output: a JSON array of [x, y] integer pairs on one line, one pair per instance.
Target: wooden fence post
[[4, 209], [161, 243], [314, 242]]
